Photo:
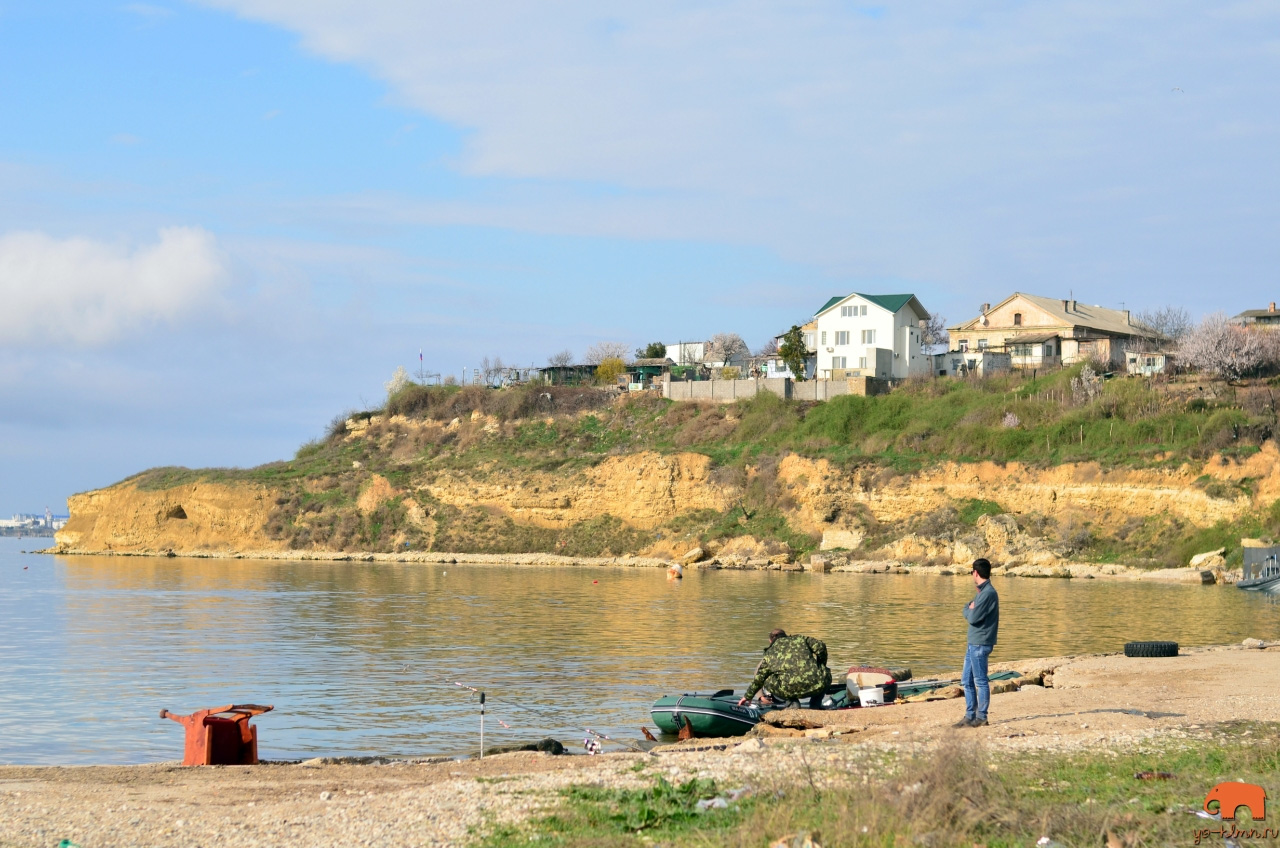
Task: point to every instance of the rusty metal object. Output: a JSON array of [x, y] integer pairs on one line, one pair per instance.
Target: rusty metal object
[[686, 732], [220, 736]]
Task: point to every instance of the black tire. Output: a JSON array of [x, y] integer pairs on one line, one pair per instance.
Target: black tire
[[1151, 649]]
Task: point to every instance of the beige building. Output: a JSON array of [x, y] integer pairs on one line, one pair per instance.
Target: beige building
[[1263, 319], [1040, 332]]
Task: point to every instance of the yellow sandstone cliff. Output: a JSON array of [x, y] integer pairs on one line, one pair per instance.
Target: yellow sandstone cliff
[[646, 489]]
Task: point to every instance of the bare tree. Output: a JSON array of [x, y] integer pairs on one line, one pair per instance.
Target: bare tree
[[563, 359], [933, 331], [1170, 324], [491, 370], [769, 348], [726, 346], [1222, 349], [600, 351]]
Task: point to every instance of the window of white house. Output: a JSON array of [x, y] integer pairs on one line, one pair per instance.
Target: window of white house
[[848, 311], [1151, 362], [964, 345], [808, 340], [862, 362], [842, 337], [864, 309], [839, 362], [824, 337], [982, 344], [1048, 349], [868, 337]]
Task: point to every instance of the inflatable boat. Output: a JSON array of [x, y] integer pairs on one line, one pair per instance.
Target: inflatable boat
[[719, 714]]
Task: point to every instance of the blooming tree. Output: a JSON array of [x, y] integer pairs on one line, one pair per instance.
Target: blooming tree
[[726, 346], [1218, 347], [398, 381]]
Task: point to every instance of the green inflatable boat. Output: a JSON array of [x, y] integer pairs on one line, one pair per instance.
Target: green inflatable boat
[[718, 714]]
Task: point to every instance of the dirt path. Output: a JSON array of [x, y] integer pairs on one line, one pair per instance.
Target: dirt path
[[1095, 702]]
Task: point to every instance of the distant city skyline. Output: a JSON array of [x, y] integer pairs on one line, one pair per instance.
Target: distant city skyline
[[223, 223]]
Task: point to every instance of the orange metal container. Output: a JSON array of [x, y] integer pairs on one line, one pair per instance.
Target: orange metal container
[[220, 736]]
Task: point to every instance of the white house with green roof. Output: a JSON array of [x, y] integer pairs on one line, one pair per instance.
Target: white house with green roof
[[871, 335]]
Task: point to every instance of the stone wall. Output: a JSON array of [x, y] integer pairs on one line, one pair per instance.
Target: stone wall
[[727, 391]]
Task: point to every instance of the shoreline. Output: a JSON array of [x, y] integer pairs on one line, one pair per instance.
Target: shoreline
[[1099, 705], [820, 563]]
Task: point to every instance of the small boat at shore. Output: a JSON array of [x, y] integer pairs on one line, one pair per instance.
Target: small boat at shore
[[719, 713], [1261, 576]]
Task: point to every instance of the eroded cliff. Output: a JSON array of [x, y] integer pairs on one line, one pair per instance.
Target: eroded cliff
[[662, 504]]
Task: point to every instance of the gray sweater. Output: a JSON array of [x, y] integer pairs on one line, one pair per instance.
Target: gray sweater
[[984, 618]]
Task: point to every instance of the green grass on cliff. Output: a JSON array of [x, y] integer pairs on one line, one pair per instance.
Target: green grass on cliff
[[1056, 418]]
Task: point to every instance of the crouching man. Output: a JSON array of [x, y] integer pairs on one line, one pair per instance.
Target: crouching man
[[793, 667]]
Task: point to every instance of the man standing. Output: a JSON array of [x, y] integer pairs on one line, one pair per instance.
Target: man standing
[[793, 667], [983, 615]]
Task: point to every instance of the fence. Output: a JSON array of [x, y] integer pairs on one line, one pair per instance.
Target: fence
[[727, 391]]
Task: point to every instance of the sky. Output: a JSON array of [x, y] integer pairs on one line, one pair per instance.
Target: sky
[[223, 223]]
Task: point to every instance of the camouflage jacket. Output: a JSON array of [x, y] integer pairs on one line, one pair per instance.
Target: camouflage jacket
[[793, 666]]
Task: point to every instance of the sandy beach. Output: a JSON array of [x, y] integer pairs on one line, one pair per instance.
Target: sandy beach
[[1101, 702]]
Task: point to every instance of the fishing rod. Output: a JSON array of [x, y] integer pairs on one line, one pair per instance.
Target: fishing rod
[[546, 716]]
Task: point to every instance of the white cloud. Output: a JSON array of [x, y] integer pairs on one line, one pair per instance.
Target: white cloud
[[89, 292], [957, 141]]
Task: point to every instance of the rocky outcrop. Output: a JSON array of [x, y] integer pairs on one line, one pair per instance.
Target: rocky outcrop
[[830, 497], [192, 517], [643, 489]]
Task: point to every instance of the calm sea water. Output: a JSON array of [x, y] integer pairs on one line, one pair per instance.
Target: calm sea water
[[357, 657]]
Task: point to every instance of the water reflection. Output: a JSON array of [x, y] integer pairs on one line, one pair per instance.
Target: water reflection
[[353, 654]]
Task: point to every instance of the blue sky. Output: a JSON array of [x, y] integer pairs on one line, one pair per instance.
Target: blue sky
[[222, 223]]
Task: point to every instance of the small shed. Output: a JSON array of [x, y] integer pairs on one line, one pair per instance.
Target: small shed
[[568, 375], [645, 371], [1148, 364], [971, 363]]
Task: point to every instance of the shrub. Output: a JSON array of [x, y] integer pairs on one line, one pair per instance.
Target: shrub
[[608, 371]]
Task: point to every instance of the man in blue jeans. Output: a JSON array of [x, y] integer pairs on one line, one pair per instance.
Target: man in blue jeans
[[983, 615]]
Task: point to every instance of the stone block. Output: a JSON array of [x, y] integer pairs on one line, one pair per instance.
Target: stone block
[[849, 540], [818, 564], [695, 555], [1208, 559]]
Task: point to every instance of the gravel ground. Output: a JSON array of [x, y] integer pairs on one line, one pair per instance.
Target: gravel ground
[[1097, 702]]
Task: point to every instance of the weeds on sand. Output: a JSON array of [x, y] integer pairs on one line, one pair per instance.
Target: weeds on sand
[[954, 794]]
